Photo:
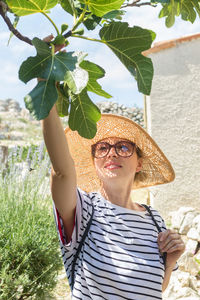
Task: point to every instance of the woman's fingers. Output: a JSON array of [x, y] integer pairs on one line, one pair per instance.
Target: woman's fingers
[[176, 247], [48, 38], [59, 47], [170, 241], [173, 244]]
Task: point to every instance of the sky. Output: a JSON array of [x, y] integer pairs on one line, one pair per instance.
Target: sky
[[118, 81]]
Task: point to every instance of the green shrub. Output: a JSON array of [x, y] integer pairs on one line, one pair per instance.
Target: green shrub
[[32, 153], [29, 253], [23, 120]]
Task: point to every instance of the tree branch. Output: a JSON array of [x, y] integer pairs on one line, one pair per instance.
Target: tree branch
[[137, 4], [3, 11]]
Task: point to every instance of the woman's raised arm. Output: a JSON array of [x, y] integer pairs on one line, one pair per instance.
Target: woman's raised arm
[[63, 176]]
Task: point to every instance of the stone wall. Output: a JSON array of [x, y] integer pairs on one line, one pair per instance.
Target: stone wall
[[17, 126], [9, 105], [185, 282], [133, 113], [173, 112]]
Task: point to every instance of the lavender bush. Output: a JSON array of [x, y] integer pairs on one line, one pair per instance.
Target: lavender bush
[[29, 253]]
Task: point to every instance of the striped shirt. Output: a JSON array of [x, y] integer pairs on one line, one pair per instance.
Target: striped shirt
[[120, 258]]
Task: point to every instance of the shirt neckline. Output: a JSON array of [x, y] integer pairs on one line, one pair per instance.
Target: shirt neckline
[[121, 208]]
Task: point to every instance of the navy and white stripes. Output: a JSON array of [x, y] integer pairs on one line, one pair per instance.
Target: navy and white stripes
[[120, 258]]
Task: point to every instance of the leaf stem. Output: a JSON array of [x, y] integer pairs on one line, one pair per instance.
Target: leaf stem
[[80, 19], [87, 38], [52, 22]]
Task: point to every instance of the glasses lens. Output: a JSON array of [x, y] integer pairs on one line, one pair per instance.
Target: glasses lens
[[101, 150], [125, 149]]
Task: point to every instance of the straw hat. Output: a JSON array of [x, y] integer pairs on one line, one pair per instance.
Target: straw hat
[[156, 168]]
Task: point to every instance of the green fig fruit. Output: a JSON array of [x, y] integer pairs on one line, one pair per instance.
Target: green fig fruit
[[59, 40], [64, 27]]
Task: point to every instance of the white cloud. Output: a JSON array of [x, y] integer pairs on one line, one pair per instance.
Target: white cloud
[[4, 36], [8, 73]]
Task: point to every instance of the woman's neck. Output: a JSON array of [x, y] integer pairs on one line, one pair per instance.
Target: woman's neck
[[120, 197]]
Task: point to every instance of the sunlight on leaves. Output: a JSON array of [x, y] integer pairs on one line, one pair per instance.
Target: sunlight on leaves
[[95, 72], [101, 7], [23, 7], [127, 43]]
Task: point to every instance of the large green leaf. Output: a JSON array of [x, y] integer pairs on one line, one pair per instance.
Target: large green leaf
[[83, 115], [114, 14], [101, 7], [188, 9], [95, 72], [27, 7], [68, 5], [196, 5], [128, 43], [59, 67], [160, 1], [62, 102], [41, 99], [91, 22], [50, 66], [77, 79]]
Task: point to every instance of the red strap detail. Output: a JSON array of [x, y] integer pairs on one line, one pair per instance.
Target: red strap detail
[[59, 226]]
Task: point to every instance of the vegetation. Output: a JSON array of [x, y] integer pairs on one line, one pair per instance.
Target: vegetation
[[29, 253], [62, 71]]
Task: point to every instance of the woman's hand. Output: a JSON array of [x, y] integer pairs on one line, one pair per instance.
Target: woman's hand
[[170, 241], [49, 38]]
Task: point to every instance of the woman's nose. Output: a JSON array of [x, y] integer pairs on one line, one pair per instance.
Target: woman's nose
[[112, 152]]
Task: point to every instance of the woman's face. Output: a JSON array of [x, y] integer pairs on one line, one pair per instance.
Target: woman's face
[[113, 166]]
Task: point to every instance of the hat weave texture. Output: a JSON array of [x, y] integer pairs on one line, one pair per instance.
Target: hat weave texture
[[156, 169]]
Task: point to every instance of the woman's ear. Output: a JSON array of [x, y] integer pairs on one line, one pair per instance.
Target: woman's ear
[[139, 165]]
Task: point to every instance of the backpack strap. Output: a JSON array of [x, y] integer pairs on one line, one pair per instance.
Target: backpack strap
[[80, 245], [158, 227]]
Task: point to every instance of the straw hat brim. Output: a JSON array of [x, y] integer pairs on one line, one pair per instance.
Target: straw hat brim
[[156, 169]]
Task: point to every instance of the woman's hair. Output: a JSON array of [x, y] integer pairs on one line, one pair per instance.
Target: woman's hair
[[139, 155], [139, 152]]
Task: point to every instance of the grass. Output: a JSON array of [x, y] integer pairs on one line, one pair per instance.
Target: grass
[[29, 253]]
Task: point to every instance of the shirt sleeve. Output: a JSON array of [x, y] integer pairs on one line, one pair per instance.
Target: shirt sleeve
[[81, 218]]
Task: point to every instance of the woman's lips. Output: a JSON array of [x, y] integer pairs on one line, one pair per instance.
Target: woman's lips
[[112, 166]]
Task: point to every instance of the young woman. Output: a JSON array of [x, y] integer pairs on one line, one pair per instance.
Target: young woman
[[111, 247]]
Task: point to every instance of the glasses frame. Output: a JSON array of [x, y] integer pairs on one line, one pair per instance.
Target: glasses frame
[[113, 146]]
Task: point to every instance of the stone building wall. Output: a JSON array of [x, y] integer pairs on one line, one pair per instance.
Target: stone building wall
[[173, 111]]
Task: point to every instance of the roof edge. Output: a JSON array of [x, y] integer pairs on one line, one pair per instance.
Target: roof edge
[[159, 46]]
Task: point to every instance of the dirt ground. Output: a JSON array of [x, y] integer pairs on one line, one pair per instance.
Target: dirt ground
[[62, 290]]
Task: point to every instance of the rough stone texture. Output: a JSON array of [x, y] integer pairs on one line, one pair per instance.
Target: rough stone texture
[[177, 219], [133, 113], [193, 234], [173, 112], [187, 222], [17, 126], [185, 282]]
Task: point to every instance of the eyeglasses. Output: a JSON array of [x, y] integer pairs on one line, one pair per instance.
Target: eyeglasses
[[122, 148]]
